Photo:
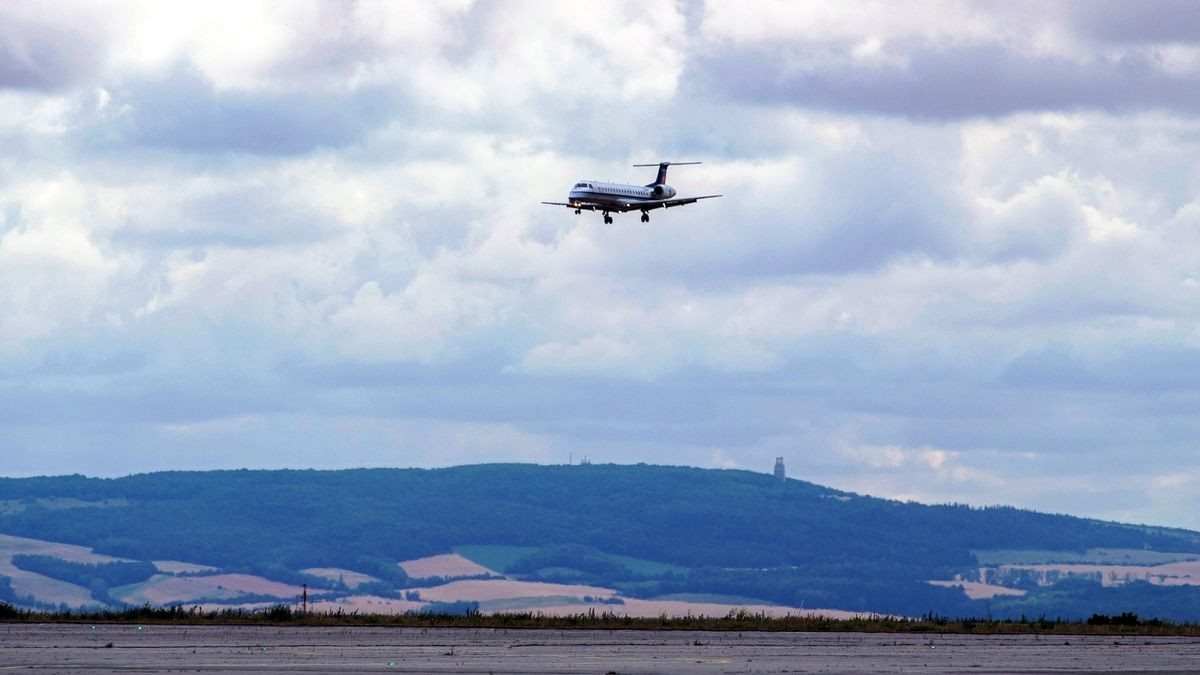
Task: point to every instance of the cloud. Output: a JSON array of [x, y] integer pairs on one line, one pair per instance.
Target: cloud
[[261, 46], [247, 234], [53, 274], [1153, 370], [1151, 22], [593, 354], [907, 473], [1050, 366], [48, 49], [941, 62], [951, 82], [184, 112], [420, 322]]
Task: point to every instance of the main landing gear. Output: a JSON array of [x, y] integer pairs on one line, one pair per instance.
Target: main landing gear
[[607, 218], [645, 217]]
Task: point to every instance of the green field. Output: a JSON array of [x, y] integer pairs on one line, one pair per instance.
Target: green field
[[495, 557], [501, 558], [646, 568]]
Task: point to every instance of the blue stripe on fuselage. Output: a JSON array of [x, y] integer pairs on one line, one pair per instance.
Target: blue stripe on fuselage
[[608, 199]]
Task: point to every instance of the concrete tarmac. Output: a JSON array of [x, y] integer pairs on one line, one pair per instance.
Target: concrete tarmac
[[74, 648]]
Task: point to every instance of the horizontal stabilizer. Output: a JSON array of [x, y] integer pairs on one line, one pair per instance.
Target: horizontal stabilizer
[[662, 171]]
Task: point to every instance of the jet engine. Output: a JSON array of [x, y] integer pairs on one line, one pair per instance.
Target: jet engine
[[662, 191]]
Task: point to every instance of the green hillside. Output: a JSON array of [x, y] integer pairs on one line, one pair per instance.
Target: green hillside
[[646, 530]]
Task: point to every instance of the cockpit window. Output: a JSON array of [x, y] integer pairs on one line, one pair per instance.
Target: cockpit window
[[581, 185]]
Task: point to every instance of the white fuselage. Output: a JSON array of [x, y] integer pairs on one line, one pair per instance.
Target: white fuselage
[[617, 196]]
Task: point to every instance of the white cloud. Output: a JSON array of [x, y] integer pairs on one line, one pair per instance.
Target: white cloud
[[420, 322], [53, 275], [595, 354], [719, 459], [256, 45], [845, 21]]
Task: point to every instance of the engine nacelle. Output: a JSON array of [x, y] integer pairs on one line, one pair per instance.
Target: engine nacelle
[[663, 191]]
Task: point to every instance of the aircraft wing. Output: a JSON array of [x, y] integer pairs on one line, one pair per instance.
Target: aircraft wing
[[623, 207], [668, 203], [584, 207]]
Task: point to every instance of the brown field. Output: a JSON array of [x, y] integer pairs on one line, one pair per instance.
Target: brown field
[[351, 578], [561, 605], [10, 546], [655, 608], [41, 587], [976, 591], [45, 589], [162, 589], [366, 604], [482, 590], [1170, 574], [177, 567], [447, 565]]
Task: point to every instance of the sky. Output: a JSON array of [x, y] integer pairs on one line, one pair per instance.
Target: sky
[[957, 258]]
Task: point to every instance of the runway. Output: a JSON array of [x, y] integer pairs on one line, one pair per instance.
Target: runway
[[71, 648]]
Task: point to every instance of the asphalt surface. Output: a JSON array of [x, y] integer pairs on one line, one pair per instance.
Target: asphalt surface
[[63, 648]]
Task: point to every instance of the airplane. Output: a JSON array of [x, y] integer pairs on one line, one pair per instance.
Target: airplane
[[591, 195]]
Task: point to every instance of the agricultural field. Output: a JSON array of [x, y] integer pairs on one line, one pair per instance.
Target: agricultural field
[[1168, 574], [351, 578], [46, 589], [195, 585], [978, 591], [446, 566], [165, 589], [177, 567], [1093, 556], [498, 558]]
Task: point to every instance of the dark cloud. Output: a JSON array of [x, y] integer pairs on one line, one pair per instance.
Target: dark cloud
[[26, 405], [246, 216], [947, 83], [1142, 22], [857, 213], [46, 55], [472, 369], [74, 363], [871, 210], [1144, 369], [1069, 301], [478, 389], [183, 112], [1053, 366]]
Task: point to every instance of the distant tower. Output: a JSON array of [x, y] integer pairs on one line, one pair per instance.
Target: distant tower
[[779, 472]]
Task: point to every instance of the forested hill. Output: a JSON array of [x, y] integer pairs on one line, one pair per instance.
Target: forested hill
[[730, 523]]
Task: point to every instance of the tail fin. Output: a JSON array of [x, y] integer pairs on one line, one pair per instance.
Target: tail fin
[[662, 171]]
